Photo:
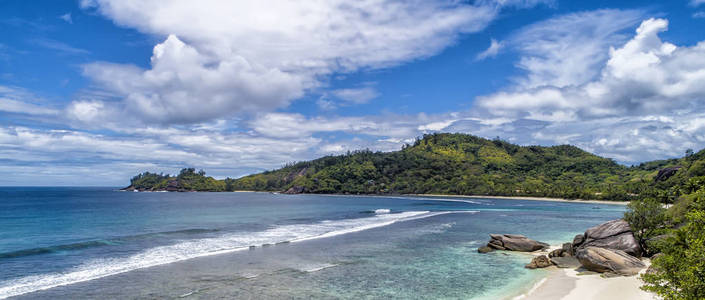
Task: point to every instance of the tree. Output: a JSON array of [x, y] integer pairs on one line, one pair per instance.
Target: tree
[[680, 271], [647, 219]]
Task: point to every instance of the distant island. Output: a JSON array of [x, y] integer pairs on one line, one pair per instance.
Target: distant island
[[451, 164]]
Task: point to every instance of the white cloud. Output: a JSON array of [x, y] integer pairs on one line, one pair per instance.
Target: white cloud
[[356, 95], [491, 51], [699, 15], [58, 46], [642, 77], [569, 49], [259, 56], [15, 100], [696, 2], [67, 18]]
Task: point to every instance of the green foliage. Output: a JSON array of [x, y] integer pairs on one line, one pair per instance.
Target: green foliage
[[680, 271], [187, 180], [647, 219], [456, 164], [148, 180]]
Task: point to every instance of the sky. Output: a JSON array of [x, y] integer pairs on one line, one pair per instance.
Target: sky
[[93, 92]]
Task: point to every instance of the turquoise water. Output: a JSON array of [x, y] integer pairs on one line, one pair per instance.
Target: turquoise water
[[101, 243]]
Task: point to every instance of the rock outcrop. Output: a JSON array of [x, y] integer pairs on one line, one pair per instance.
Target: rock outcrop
[[666, 173], [514, 242], [615, 234], [609, 260], [540, 261], [566, 262], [294, 190]]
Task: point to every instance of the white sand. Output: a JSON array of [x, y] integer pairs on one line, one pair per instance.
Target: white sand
[[525, 198], [566, 284]]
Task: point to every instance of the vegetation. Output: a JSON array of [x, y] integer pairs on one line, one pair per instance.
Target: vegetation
[[676, 234], [680, 270], [187, 180], [647, 219], [457, 164], [461, 164]]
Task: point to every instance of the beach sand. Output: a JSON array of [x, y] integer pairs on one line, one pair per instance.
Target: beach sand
[[526, 198], [566, 284]]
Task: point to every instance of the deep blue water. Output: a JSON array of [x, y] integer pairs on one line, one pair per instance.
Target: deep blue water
[[102, 243]]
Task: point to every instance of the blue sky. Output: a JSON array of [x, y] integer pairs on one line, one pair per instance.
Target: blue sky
[[94, 91]]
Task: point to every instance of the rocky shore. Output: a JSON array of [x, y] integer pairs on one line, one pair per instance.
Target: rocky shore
[[608, 250]]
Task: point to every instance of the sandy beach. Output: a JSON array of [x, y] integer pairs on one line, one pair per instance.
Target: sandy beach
[[527, 198], [568, 284]]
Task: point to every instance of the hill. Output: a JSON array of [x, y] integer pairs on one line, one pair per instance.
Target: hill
[[457, 164], [443, 163]]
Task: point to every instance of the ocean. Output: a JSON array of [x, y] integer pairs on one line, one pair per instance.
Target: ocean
[[100, 243]]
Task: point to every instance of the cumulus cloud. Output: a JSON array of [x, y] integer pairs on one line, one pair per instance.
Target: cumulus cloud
[[491, 51], [259, 56], [569, 49], [647, 101]]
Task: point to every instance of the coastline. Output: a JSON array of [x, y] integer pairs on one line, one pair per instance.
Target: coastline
[[525, 198], [569, 284]]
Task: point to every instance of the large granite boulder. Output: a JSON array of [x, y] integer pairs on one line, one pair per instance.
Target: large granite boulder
[[564, 251], [540, 261], [608, 260], [514, 242], [566, 262], [615, 234]]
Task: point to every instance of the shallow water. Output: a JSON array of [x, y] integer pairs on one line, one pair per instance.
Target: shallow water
[[98, 243]]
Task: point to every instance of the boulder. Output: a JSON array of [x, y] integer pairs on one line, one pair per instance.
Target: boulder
[[615, 234], [566, 262], [567, 249], [608, 260], [578, 239], [540, 261], [556, 253], [666, 173], [514, 242], [484, 249], [295, 190]]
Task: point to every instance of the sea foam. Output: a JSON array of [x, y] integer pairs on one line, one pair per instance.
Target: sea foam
[[205, 247]]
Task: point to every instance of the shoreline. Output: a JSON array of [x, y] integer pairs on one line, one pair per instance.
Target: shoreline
[[525, 198], [615, 202], [569, 284]]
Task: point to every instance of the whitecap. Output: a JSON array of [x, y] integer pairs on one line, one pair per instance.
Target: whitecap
[[189, 249]]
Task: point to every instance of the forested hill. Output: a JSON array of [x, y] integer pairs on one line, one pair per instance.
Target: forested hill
[[440, 164], [454, 164]]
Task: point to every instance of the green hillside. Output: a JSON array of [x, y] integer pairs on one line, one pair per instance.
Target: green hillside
[[459, 164], [455, 164]]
